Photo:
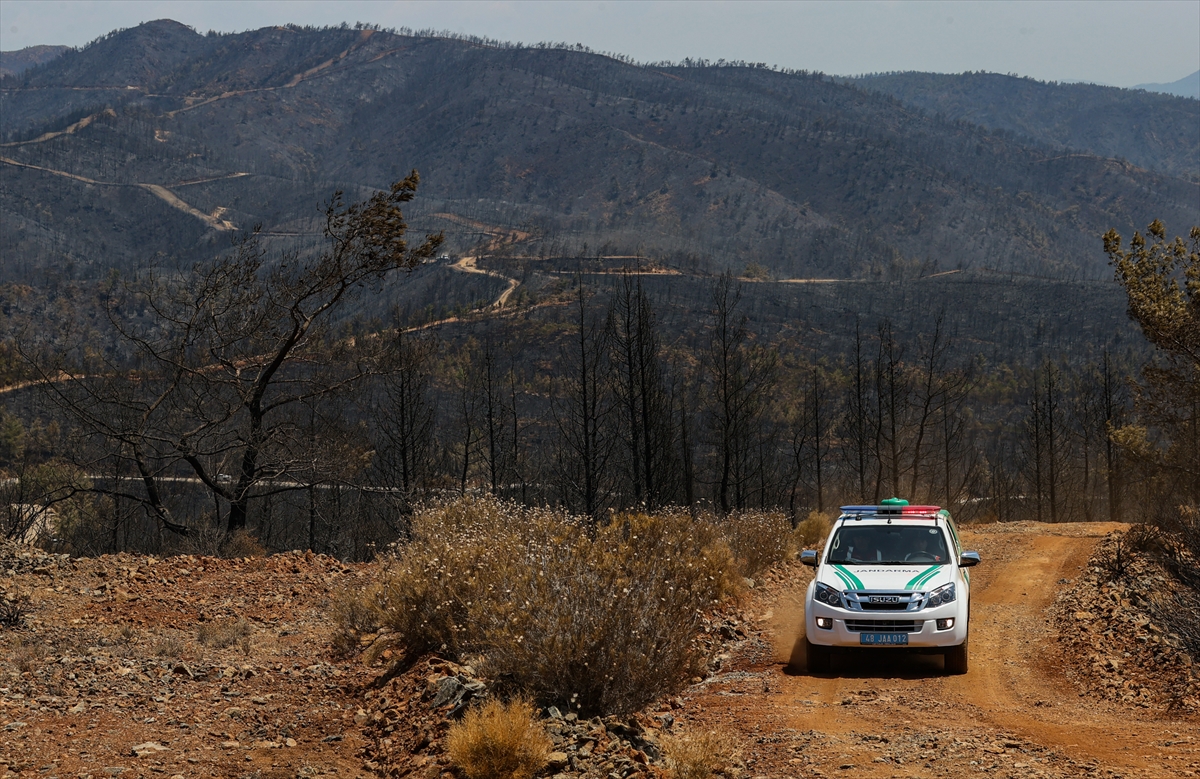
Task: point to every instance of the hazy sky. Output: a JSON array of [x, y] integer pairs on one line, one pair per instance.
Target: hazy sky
[[1118, 43]]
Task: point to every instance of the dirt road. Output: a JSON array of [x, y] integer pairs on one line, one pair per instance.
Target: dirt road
[[1016, 713], [467, 265]]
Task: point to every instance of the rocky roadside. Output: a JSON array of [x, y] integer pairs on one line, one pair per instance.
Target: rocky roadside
[[193, 667], [127, 665], [1117, 650], [407, 719], [132, 666]]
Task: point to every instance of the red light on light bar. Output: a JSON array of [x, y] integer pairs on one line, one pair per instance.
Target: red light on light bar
[[923, 510]]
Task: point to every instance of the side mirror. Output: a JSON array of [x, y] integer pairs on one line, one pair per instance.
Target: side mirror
[[809, 557], [968, 559]]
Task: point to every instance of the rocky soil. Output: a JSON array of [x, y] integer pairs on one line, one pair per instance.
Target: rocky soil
[[202, 667], [1106, 621], [188, 666], [407, 718]]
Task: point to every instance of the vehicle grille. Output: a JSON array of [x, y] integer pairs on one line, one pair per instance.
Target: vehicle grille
[[884, 625], [860, 600]]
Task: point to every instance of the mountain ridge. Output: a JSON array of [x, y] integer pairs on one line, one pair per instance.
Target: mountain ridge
[[796, 171], [1188, 86], [14, 63], [1156, 131]]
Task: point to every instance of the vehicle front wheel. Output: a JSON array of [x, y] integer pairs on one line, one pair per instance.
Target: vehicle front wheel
[[956, 658], [818, 657]]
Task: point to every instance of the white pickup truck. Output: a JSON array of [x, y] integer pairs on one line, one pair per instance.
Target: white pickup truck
[[892, 576]]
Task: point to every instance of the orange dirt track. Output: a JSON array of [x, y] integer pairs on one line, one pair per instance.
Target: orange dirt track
[[1014, 714]]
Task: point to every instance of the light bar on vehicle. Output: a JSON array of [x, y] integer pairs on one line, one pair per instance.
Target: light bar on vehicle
[[893, 507]]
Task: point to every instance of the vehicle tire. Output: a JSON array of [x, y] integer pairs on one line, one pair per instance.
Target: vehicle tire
[[818, 657], [956, 659]]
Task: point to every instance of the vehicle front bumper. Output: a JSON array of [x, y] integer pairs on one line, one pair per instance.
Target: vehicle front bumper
[[926, 636]]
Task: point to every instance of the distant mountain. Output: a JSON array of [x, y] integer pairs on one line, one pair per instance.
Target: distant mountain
[[1188, 86], [1152, 131], [153, 144], [14, 63]]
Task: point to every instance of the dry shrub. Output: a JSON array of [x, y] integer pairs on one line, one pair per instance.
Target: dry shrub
[[13, 611], [242, 544], [610, 622], [218, 635], [1176, 546], [499, 741], [1180, 539], [812, 532], [758, 539], [355, 615], [601, 621], [170, 647], [700, 755], [1145, 539], [28, 654]]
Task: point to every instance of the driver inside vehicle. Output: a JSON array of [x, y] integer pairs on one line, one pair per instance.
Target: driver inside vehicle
[[862, 548], [927, 548]]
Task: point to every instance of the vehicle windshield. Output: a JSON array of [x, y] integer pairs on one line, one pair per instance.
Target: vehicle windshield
[[915, 544]]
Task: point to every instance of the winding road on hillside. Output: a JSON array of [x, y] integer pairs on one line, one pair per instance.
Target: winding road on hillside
[[160, 191], [1015, 714], [467, 265], [213, 220]]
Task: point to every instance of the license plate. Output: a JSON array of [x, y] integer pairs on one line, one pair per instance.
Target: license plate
[[883, 639]]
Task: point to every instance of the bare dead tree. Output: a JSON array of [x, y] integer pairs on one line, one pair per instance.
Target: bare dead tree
[[741, 376], [892, 397], [225, 359], [1114, 401], [468, 428], [404, 414], [638, 383], [582, 413], [857, 420]]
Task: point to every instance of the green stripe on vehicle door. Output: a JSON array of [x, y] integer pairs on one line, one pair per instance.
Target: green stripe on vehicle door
[[852, 581], [920, 579]]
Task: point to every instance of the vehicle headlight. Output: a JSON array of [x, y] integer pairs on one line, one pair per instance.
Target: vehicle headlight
[[826, 594], [943, 594]]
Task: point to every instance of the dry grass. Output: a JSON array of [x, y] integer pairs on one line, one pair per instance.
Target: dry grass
[[169, 647], [242, 544], [28, 655], [757, 539], [700, 754], [127, 635], [218, 635], [499, 741], [812, 532], [354, 617], [14, 611], [602, 621]]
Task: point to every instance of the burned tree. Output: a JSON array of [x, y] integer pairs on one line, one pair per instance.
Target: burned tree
[[220, 366]]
